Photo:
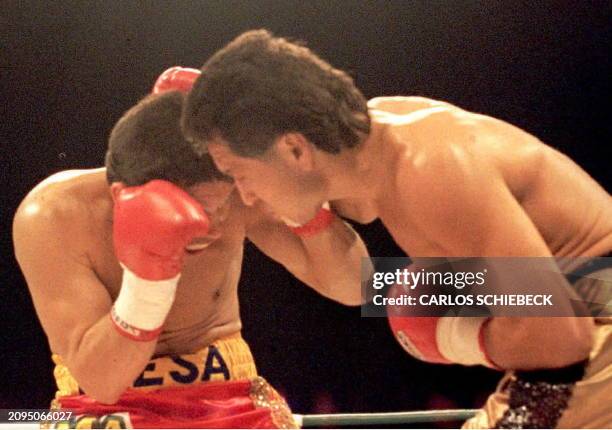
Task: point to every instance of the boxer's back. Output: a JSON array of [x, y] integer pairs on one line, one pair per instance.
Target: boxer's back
[[569, 209]]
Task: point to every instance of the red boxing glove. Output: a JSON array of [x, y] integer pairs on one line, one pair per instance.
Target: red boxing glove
[[176, 79], [445, 340], [152, 224]]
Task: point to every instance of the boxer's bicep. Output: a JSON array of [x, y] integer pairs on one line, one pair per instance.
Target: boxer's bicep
[[279, 243], [329, 262], [67, 295]]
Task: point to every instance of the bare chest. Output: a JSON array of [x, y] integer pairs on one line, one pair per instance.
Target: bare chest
[[206, 302]]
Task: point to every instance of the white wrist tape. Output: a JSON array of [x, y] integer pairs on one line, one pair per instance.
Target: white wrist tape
[[142, 305], [459, 340]]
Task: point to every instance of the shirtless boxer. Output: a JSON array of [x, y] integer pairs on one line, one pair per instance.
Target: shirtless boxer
[[295, 132], [103, 265]]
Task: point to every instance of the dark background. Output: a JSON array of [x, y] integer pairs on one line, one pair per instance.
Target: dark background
[[68, 70]]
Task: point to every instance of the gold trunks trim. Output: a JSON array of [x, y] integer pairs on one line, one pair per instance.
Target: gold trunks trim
[[265, 396], [225, 359]]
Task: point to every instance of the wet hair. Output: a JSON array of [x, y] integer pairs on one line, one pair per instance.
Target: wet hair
[[259, 87], [147, 143]]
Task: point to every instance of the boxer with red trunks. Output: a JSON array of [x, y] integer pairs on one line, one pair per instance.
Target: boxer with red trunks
[[136, 284], [445, 182]]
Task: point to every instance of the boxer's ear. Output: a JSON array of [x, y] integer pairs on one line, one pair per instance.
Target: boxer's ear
[[115, 188], [295, 150]]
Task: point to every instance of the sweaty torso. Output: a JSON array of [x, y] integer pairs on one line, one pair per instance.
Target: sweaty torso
[[571, 212], [206, 302]]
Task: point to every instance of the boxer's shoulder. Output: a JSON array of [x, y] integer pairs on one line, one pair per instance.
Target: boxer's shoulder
[[437, 169], [61, 194], [434, 117], [60, 204], [400, 105], [420, 118]]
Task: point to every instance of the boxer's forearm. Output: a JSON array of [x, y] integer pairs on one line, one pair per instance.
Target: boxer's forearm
[[105, 363], [533, 341], [335, 256], [152, 225], [538, 342]]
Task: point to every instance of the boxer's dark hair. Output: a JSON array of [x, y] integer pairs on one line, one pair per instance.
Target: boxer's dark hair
[[259, 87], [147, 143]]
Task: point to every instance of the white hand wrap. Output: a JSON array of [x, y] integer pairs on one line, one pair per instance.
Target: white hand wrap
[[459, 340], [142, 306]]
